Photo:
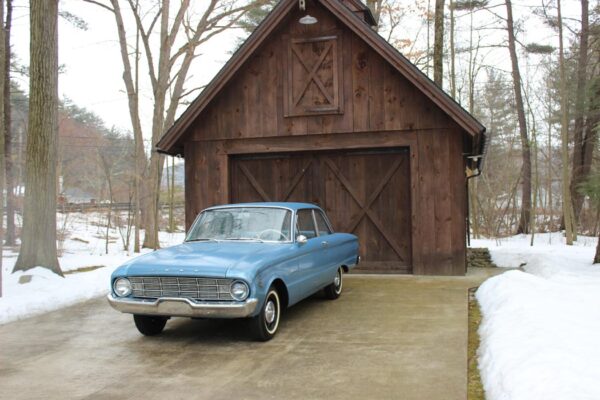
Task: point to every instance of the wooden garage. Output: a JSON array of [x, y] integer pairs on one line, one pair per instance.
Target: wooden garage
[[329, 113]]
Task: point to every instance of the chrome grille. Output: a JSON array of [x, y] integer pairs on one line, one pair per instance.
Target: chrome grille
[[191, 288]]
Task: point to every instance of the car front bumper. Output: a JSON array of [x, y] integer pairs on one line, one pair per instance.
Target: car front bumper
[[182, 307]]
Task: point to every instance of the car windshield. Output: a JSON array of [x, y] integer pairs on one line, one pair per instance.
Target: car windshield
[[244, 223]]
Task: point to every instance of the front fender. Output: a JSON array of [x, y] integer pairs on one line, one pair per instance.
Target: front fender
[[267, 275]]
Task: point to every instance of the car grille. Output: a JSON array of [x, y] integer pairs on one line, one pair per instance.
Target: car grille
[[191, 288]]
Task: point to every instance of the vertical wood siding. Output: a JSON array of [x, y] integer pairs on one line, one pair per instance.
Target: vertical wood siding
[[381, 109]]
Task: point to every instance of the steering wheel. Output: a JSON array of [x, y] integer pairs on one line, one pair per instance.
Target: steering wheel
[[277, 232]]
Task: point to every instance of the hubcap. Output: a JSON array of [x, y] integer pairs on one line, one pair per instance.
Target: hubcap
[[337, 280], [270, 312]]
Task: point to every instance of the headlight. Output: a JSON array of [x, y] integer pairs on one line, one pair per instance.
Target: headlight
[[122, 287], [239, 290]]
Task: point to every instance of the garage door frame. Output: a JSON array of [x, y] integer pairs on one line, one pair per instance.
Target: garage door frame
[[333, 142]]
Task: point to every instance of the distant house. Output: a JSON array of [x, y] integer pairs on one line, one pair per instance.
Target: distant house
[[77, 196], [322, 109]]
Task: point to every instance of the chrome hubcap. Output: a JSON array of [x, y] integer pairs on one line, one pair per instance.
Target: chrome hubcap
[[337, 280], [270, 312]]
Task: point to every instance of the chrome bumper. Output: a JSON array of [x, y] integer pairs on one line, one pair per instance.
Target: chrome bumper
[[182, 307]]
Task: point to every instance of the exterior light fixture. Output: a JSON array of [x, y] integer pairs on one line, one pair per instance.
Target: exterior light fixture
[[307, 20]]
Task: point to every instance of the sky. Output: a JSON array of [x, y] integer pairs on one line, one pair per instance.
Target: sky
[[92, 76]]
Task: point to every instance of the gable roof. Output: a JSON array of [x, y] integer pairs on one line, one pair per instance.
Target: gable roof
[[168, 142]]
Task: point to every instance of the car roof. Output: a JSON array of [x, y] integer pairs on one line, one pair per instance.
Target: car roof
[[281, 204]]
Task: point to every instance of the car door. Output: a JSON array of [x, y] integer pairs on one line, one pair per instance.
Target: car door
[[329, 262], [310, 254]]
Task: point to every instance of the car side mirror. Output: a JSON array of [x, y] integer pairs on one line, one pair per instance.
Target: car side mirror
[[301, 239]]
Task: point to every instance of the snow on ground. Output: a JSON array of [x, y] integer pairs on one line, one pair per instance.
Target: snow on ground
[[539, 334], [84, 246]]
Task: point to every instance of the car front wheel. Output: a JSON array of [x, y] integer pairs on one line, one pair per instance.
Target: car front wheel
[[149, 326], [334, 290], [265, 324]]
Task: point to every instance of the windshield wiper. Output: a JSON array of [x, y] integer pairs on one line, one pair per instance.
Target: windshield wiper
[[202, 240], [246, 239]]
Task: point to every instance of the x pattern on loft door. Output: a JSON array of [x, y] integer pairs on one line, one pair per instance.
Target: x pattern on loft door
[[313, 76]]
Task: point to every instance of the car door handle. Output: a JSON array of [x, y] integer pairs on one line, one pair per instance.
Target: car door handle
[[324, 244]]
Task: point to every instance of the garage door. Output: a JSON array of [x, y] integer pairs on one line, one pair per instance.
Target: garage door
[[363, 192]]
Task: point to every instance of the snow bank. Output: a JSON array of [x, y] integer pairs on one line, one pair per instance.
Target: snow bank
[[540, 328], [84, 247]]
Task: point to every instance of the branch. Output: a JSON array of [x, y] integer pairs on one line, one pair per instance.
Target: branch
[[145, 41], [188, 92], [100, 5], [177, 22]]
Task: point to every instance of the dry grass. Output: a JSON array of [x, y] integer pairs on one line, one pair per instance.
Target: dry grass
[[474, 386], [83, 269]]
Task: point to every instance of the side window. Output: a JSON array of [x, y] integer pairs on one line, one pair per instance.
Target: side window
[[306, 224], [322, 226]]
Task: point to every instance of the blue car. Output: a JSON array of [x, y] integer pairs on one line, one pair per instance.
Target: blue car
[[238, 261]]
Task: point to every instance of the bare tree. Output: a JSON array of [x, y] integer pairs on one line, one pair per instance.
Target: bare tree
[[106, 165], [3, 56], [525, 216], [438, 43], [591, 187], [168, 67], [171, 191], [452, 52], [564, 135], [581, 144], [10, 236], [38, 239]]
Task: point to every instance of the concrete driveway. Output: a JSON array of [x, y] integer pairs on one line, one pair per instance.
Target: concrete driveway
[[386, 337]]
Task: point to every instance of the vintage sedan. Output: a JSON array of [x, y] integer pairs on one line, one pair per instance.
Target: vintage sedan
[[238, 261]]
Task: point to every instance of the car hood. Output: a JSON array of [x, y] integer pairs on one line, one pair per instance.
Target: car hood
[[214, 259]]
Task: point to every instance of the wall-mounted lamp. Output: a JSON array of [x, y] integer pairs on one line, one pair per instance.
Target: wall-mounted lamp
[[308, 20]]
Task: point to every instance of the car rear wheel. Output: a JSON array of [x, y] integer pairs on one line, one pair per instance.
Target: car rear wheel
[[149, 326], [334, 290], [266, 323]]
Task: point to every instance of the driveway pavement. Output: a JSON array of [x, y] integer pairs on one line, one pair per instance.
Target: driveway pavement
[[386, 337]]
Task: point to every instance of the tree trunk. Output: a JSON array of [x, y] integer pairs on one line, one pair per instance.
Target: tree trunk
[[132, 95], [564, 135], [10, 235], [152, 197], [172, 197], [597, 256], [138, 149], [550, 205], [525, 151], [158, 123], [38, 240], [3, 56], [438, 44], [452, 53], [580, 114], [536, 180]]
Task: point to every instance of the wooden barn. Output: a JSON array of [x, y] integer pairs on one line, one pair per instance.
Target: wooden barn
[[324, 110]]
